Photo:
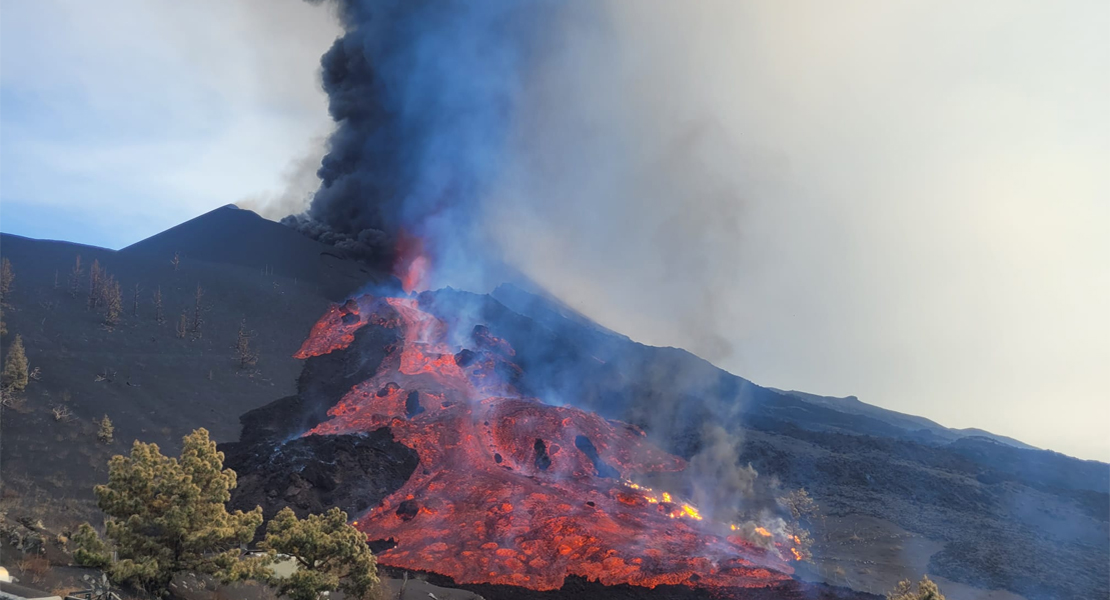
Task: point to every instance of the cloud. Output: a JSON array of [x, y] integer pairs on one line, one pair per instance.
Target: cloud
[[908, 203], [156, 111]]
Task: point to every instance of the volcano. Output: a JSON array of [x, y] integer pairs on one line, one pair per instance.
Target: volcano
[[510, 490]]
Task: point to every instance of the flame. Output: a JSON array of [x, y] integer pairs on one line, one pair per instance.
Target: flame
[[691, 512], [797, 555], [503, 494], [763, 532]]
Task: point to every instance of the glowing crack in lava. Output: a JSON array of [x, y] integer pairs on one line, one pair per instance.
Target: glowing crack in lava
[[513, 491]]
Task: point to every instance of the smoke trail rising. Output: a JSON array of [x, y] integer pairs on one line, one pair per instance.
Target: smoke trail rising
[[422, 94]]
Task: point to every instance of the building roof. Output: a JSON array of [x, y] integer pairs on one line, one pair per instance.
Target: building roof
[[15, 591]]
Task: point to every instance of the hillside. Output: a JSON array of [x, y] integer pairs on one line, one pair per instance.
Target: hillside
[[901, 495], [153, 384]]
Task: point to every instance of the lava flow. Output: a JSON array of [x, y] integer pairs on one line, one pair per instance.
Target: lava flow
[[513, 491]]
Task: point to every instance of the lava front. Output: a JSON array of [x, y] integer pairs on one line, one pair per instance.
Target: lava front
[[510, 490]]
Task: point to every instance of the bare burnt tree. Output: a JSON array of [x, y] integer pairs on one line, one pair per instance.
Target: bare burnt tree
[[176, 262], [159, 315], [56, 284], [243, 352], [75, 277], [183, 324], [197, 322], [135, 301], [113, 301], [96, 292]]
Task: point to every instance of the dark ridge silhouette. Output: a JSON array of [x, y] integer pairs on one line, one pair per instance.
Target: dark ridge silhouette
[[233, 236]]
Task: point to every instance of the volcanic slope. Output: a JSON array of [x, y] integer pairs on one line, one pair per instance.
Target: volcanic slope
[[152, 382], [971, 510], [509, 493]]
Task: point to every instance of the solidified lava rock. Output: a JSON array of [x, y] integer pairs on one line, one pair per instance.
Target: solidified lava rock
[[543, 461], [276, 467], [314, 473], [412, 404], [465, 357], [408, 510], [587, 447], [578, 588]]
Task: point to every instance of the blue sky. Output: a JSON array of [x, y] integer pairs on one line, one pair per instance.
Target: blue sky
[[119, 119]]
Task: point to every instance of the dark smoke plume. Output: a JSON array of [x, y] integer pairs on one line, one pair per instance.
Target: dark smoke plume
[[528, 134], [422, 93]]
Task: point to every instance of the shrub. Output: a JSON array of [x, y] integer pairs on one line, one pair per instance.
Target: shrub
[[35, 567], [926, 590]]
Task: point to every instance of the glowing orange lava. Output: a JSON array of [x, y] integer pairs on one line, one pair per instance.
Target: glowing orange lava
[[510, 490]]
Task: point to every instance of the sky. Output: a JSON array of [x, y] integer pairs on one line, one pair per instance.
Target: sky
[[907, 202]]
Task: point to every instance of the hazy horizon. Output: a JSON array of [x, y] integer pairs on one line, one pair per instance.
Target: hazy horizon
[[908, 205]]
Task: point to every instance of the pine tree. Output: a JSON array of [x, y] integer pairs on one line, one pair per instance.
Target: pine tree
[[159, 316], [243, 351], [7, 276], [135, 301], [167, 516], [91, 551], [3, 324], [106, 431], [113, 302], [75, 277], [330, 555], [14, 376], [182, 325], [176, 262]]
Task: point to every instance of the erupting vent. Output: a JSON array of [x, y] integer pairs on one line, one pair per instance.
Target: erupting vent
[[513, 491]]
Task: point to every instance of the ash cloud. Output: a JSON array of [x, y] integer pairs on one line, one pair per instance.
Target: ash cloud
[[422, 94], [522, 135]]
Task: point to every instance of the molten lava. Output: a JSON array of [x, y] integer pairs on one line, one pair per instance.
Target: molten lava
[[513, 491]]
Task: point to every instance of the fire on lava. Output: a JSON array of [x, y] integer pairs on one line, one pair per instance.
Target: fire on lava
[[510, 490]]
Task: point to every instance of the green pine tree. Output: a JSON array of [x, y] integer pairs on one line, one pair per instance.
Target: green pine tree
[[7, 276], [331, 555], [14, 376], [106, 431], [167, 516], [91, 551]]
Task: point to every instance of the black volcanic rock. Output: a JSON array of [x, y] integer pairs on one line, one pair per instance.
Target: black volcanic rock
[[314, 473], [278, 467]]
